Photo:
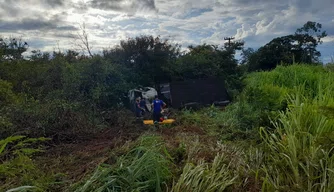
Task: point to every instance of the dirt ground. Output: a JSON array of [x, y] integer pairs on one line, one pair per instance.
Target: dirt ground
[[77, 160]]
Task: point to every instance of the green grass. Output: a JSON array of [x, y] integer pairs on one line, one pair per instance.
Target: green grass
[[144, 168], [294, 106], [298, 157], [208, 177]]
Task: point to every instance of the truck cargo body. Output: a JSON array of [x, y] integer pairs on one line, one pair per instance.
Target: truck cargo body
[[207, 91]]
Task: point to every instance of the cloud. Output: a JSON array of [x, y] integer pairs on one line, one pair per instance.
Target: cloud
[[329, 39], [186, 22], [128, 6], [54, 3], [34, 24]]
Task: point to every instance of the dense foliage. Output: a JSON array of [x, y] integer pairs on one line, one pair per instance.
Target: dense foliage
[[64, 95], [277, 135]]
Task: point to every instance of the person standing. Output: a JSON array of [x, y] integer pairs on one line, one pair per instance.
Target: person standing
[[157, 106], [143, 105], [138, 108]]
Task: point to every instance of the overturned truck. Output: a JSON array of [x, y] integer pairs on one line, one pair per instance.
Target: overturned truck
[[147, 93], [192, 93], [195, 93]]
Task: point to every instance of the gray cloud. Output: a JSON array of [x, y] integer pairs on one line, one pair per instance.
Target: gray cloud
[[128, 6], [79, 7], [34, 24], [107, 4], [14, 7], [26, 24], [8, 9], [65, 35], [54, 3]]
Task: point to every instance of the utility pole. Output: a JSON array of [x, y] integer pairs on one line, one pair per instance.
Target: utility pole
[[229, 40]]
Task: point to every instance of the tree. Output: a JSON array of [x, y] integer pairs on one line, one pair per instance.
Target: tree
[[200, 61], [37, 55], [71, 56], [234, 45], [83, 43], [206, 61], [147, 56], [309, 37], [312, 29], [296, 48], [12, 48], [246, 54]]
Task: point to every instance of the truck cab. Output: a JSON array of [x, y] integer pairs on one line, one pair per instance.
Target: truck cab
[[147, 93]]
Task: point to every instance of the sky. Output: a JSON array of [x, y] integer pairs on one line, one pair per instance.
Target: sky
[[49, 25]]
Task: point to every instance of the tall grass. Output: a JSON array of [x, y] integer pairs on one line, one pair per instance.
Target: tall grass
[[266, 93], [205, 176], [300, 152], [288, 77], [294, 106], [144, 168], [224, 173]]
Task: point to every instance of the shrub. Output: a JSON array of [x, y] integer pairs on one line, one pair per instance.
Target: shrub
[[17, 167], [7, 96], [240, 115], [58, 119], [330, 66]]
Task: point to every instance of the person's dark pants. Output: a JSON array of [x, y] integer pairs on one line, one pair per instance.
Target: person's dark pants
[[156, 116], [138, 113]]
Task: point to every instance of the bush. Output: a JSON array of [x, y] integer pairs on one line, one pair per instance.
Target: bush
[[17, 167], [8, 99], [7, 96], [330, 66], [58, 119], [240, 116]]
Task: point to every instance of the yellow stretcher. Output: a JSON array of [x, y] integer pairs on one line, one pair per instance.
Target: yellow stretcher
[[166, 121]]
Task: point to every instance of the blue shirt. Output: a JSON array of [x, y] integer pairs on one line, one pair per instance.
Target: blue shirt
[[157, 105]]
